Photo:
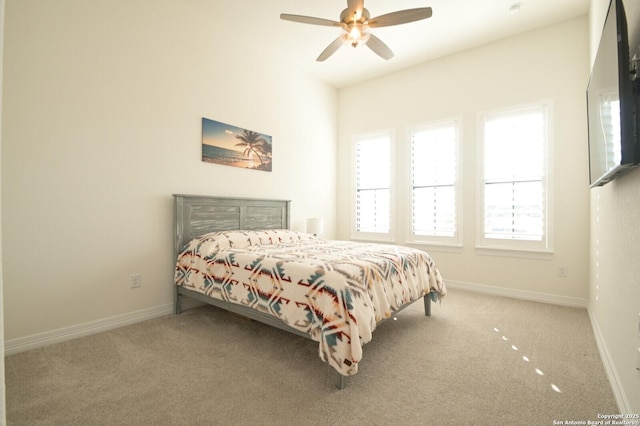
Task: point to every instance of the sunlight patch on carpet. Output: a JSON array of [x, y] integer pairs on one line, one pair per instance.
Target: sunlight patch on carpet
[[525, 358]]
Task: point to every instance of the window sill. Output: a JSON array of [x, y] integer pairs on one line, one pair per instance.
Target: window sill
[[514, 252], [433, 246], [373, 238]]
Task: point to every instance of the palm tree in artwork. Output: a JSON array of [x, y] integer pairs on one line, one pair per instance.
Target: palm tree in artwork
[[253, 142]]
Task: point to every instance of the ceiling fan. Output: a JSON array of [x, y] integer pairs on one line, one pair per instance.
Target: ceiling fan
[[355, 22]]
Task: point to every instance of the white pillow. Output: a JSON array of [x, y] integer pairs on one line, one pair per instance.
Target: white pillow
[[238, 239]]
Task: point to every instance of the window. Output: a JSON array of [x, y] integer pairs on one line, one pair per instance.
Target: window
[[514, 201], [373, 183], [610, 108], [434, 184]]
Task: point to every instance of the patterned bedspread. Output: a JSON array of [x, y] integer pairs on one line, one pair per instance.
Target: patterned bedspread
[[335, 291]]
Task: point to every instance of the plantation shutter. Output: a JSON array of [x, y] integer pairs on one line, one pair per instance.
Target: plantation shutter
[[433, 174], [609, 108], [514, 175], [373, 182]]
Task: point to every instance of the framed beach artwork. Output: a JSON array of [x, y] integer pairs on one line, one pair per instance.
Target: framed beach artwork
[[233, 146]]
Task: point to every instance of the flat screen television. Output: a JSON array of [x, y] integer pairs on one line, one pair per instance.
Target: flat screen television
[[613, 101]]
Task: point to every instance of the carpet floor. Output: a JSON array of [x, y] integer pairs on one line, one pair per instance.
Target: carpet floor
[[478, 360]]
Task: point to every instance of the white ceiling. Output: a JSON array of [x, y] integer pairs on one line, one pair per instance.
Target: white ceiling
[[456, 25]]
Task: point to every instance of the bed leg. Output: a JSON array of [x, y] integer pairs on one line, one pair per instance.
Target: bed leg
[[427, 305], [178, 304], [340, 381]]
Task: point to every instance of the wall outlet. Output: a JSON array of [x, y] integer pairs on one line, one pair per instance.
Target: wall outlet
[[135, 281], [563, 271]]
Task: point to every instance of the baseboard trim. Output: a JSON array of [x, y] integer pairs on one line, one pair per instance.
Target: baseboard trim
[[554, 299], [609, 366], [34, 341]]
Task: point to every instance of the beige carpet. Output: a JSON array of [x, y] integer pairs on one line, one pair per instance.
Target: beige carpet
[[465, 365]]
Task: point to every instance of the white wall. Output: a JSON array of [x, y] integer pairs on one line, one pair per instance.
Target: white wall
[[102, 123], [548, 64], [3, 418], [614, 301]]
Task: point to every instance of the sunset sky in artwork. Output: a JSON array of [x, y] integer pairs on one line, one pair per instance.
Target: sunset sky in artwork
[[223, 135]]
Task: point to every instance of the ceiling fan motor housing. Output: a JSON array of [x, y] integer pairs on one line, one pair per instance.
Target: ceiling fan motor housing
[[346, 17]]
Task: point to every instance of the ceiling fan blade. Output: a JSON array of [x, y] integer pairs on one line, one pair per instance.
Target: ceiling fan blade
[[379, 47], [401, 17], [310, 20], [355, 6], [331, 49]]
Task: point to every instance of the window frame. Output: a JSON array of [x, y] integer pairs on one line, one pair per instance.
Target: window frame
[[373, 236], [527, 248], [433, 240]]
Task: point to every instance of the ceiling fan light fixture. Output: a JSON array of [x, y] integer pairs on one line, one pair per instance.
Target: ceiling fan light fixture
[[357, 34]]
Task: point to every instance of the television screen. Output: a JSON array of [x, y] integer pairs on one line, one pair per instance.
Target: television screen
[[611, 101]]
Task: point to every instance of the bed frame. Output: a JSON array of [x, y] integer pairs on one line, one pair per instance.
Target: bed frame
[[196, 215]]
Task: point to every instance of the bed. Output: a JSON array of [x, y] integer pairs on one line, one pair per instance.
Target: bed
[[240, 254]]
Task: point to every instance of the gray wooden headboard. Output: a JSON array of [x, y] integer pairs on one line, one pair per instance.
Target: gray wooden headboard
[[197, 215]]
